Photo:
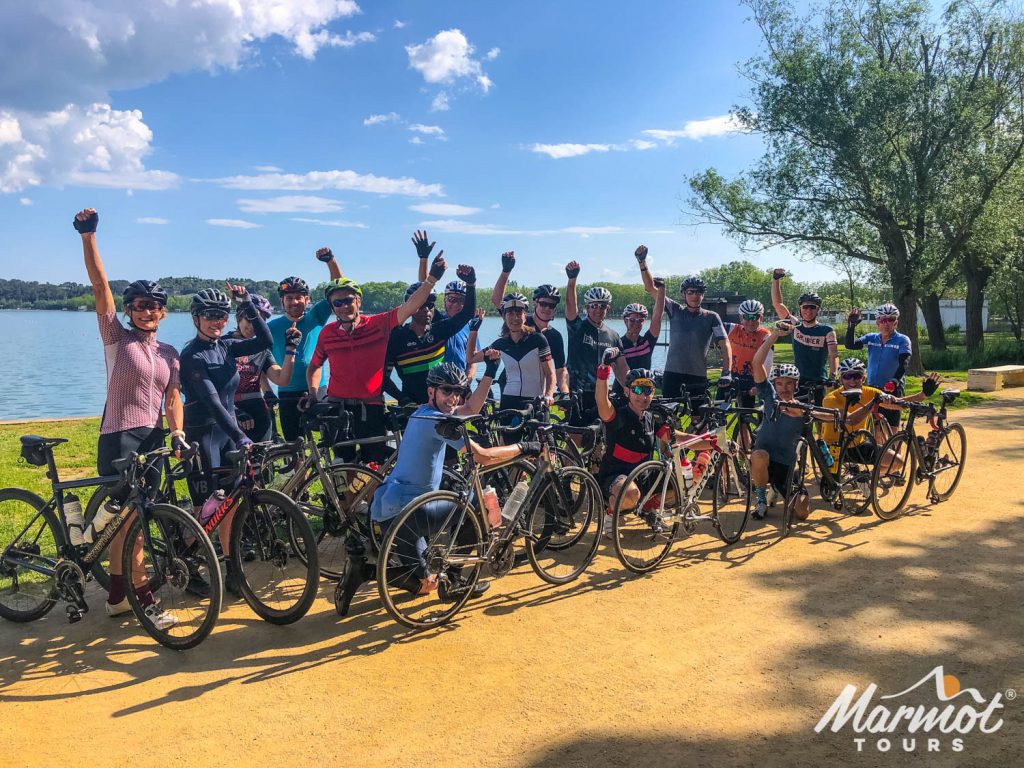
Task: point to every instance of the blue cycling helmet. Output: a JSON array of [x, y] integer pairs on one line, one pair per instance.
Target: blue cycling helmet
[[455, 286]]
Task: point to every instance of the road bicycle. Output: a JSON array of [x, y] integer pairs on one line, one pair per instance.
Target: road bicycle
[[165, 550], [445, 538], [670, 502], [937, 458]]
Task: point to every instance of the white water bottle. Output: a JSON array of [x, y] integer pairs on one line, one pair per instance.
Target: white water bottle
[[108, 512], [75, 520], [515, 501], [686, 470]]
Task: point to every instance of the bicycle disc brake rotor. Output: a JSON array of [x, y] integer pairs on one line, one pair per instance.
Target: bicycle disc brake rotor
[[177, 573]]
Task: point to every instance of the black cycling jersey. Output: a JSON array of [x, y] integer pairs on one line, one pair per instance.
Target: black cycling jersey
[[629, 439], [524, 364], [587, 344], [555, 342]]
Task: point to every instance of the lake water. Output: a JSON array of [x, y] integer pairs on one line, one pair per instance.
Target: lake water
[[54, 360]]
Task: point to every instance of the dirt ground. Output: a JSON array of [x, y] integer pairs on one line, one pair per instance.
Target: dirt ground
[[724, 656]]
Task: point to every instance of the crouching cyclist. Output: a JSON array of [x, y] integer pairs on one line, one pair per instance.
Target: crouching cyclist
[[420, 463]]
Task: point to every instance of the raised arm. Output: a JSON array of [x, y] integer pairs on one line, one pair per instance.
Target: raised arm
[[282, 374], [262, 339], [760, 372], [86, 222], [423, 249], [508, 263], [472, 343], [604, 404], [659, 305], [448, 327], [327, 257], [480, 394], [419, 298], [572, 310], [780, 309], [850, 342], [645, 274]]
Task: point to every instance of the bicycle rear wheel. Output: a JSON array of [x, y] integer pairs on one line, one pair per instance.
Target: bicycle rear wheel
[[437, 537], [561, 539], [950, 459], [796, 486], [854, 476], [891, 487], [26, 594], [101, 567], [643, 535], [267, 534], [177, 551], [730, 501]]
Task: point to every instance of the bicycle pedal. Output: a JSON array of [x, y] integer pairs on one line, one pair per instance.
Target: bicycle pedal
[[74, 613]]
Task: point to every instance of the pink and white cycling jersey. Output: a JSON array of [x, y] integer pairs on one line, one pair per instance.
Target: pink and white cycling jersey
[[140, 369]]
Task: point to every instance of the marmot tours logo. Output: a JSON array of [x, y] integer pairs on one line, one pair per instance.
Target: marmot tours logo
[[930, 720]]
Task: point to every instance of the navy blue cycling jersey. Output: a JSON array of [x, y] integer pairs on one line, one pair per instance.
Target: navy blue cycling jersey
[[209, 376]]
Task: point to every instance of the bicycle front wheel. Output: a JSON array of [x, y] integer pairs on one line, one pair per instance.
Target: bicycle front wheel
[[430, 560], [176, 559], [563, 525], [25, 593], [950, 459], [893, 477], [644, 531], [730, 501], [796, 486], [267, 534], [855, 475]]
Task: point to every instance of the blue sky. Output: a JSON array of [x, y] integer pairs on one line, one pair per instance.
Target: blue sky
[[234, 137]]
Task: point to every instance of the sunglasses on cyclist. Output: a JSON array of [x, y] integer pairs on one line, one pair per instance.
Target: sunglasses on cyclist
[[449, 390], [455, 298], [145, 305], [748, 316], [347, 301], [693, 292], [599, 306], [815, 307], [853, 375], [634, 319], [887, 319], [641, 389], [213, 314], [548, 305]]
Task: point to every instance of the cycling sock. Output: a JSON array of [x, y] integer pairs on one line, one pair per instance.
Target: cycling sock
[[761, 494], [145, 595], [118, 590]]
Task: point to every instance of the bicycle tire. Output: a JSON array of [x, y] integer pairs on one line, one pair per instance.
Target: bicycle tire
[[854, 479], [796, 486], [730, 501], [632, 529], [100, 569], [181, 548], [17, 603], [397, 576], [557, 544], [266, 532], [890, 490], [944, 444]]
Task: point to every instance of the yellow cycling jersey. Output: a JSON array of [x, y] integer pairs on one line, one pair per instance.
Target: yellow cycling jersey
[[836, 400]]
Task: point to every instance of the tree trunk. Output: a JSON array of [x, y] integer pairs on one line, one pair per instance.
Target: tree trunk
[[977, 274], [905, 297], [932, 321]]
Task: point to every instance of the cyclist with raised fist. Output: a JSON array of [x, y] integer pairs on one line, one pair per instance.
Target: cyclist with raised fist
[[814, 343], [888, 353]]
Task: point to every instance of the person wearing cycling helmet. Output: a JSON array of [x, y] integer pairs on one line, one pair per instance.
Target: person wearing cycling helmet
[[420, 463], [454, 301], [589, 339], [418, 345], [691, 331], [745, 339], [529, 370], [630, 430], [254, 415], [355, 346], [888, 353], [308, 320], [814, 343], [637, 347], [545, 302], [142, 385]]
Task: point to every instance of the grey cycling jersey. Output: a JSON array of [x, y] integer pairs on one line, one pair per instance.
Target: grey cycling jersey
[[690, 337]]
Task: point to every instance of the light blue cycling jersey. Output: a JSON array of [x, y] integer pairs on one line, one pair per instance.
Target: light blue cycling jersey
[[310, 325]]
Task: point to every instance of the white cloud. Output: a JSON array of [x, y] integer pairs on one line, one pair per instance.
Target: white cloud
[[440, 103], [427, 130], [25, 201], [332, 223], [559, 151], [472, 228], [399, 24], [496, 205], [697, 129], [54, 51], [93, 146], [151, 220], [390, 117], [443, 209], [346, 180], [290, 204], [446, 58], [416, 140], [641, 144], [267, 168], [233, 223], [493, 53]]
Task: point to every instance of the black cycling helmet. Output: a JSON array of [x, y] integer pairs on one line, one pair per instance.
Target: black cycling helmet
[[513, 301], [431, 298], [210, 298], [694, 282], [546, 291], [448, 375], [292, 284], [144, 289], [643, 375], [810, 298]]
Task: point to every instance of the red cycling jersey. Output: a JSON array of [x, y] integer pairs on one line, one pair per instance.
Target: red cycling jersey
[[356, 358]]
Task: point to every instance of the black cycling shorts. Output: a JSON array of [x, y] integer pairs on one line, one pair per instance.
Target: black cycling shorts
[[120, 445]]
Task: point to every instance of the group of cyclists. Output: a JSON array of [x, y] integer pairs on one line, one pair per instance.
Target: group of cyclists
[[216, 392]]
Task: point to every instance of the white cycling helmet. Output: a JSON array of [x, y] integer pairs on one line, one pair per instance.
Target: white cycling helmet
[[888, 310], [751, 307], [784, 371], [850, 365], [597, 295], [635, 309]]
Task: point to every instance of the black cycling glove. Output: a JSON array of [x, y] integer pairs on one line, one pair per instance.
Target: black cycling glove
[[466, 274], [929, 387], [572, 273], [508, 261], [530, 448], [437, 268], [491, 368], [86, 225], [475, 323]]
